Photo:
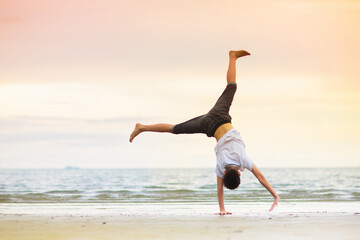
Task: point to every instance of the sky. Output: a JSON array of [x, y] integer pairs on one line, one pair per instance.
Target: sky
[[75, 77]]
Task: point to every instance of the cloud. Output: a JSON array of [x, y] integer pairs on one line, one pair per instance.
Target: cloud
[[28, 119], [51, 136]]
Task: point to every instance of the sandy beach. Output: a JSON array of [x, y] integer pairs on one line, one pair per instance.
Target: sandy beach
[[75, 224], [211, 227]]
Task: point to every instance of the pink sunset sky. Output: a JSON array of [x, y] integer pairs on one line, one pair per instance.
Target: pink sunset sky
[[75, 76]]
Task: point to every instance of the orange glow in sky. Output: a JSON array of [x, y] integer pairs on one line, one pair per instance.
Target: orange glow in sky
[[75, 76]]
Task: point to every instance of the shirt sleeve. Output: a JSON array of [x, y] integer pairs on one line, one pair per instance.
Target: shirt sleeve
[[248, 163], [218, 172]]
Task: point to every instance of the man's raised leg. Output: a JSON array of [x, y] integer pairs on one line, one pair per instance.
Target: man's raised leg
[[191, 126], [159, 127], [233, 55]]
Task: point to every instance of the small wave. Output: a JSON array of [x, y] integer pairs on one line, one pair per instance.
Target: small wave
[[174, 191], [155, 187], [37, 197], [105, 197], [6, 198], [356, 195], [64, 192], [114, 191], [208, 186]]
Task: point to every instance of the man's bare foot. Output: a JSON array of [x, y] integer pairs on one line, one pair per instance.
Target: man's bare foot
[[138, 129], [238, 53]]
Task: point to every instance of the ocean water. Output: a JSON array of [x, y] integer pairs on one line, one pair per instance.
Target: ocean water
[[175, 186]]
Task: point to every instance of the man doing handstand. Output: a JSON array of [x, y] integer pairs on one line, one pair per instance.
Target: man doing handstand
[[230, 148]]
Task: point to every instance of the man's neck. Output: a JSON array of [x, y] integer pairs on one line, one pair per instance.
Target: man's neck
[[220, 131]]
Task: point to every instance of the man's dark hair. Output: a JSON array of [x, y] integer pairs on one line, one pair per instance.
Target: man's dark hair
[[231, 178]]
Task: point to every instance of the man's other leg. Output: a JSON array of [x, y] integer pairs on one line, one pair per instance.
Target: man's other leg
[[233, 56], [223, 103], [159, 127]]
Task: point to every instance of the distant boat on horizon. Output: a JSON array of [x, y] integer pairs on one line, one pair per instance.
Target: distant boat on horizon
[[71, 168]]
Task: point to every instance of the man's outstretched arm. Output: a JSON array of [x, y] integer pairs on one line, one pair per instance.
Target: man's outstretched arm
[[220, 193], [266, 184]]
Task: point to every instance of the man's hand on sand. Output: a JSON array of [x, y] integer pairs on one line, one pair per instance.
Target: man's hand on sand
[[276, 200], [223, 213]]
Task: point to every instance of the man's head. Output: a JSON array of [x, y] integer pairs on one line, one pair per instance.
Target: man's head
[[231, 178]]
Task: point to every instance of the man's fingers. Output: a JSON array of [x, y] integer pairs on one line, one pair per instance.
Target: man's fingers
[[223, 213], [273, 206]]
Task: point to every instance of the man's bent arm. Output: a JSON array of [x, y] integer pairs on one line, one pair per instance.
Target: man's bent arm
[[266, 184], [220, 193]]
